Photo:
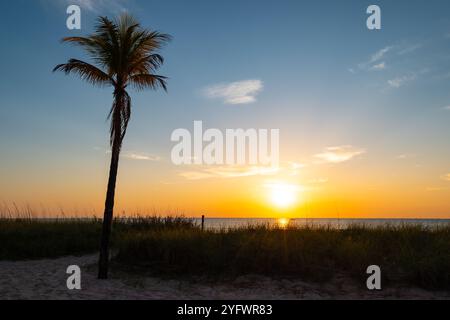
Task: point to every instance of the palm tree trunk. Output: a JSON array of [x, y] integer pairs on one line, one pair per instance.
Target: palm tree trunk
[[108, 215]]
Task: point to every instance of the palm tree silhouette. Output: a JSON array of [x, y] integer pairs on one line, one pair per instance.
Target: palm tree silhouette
[[124, 54]]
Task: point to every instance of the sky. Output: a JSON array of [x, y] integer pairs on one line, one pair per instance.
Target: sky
[[363, 114]]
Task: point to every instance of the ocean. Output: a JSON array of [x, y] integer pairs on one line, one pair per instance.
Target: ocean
[[227, 223]]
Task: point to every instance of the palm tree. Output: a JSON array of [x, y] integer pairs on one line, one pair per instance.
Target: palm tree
[[124, 54]]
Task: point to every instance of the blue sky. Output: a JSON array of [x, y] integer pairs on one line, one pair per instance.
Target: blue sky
[[310, 68]]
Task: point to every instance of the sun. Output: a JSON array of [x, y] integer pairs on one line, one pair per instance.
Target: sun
[[283, 195]]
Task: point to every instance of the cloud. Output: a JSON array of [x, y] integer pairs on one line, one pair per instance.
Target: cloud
[[240, 92], [230, 172], [339, 154], [409, 49], [378, 67], [295, 165], [97, 6], [446, 108], [374, 63], [377, 61], [196, 175], [446, 177], [132, 155], [286, 168], [405, 156], [411, 76], [379, 54], [400, 81], [140, 156]]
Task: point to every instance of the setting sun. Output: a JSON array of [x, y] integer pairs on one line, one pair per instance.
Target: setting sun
[[283, 195]]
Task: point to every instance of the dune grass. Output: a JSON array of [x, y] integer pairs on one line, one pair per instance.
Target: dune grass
[[30, 238], [406, 254], [27, 239], [413, 255]]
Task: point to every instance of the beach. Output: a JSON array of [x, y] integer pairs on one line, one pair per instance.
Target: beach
[[46, 279]]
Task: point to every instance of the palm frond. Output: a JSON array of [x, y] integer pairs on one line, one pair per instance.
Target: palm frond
[[106, 35], [145, 81], [86, 72], [151, 62], [124, 54], [145, 43]]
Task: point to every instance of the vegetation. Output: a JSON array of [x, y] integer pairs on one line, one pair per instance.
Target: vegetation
[[29, 238], [409, 254], [25, 239], [125, 55], [413, 255]]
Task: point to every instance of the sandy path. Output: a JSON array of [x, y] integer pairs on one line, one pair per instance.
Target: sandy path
[[46, 279]]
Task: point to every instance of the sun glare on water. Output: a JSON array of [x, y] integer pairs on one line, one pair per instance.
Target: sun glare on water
[[283, 223]]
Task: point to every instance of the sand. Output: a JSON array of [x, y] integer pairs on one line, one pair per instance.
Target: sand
[[46, 279]]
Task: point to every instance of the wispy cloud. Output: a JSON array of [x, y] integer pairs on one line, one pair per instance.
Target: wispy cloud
[[132, 155], [229, 172], [405, 156], [339, 154], [377, 60], [400, 81], [286, 168], [411, 76], [140, 156], [196, 175], [378, 67], [410, 49], [446, 108], [446, 177], [295, 165], [380, 54], [374, 62], [97, 6], [240, 92]]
